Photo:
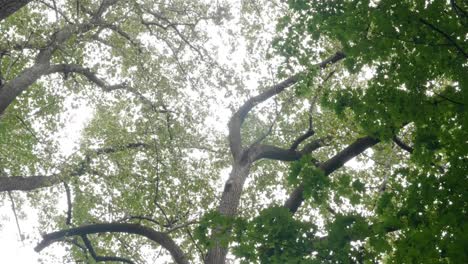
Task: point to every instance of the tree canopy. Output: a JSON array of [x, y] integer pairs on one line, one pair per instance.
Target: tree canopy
[[218, 132]]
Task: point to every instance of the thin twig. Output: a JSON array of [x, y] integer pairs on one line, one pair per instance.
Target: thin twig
[[200, 251], [13, 207], [270, 129], [26, 126], [425, 22], [448, 99], [181, 226]]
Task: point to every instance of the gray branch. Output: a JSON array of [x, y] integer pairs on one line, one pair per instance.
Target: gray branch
[[161, 238]]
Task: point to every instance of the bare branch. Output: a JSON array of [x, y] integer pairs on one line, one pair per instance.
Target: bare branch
[[13, 208], [462, 14], [27, 127], [91, 76], [410, 150], [177, 227], [105, 4], [161, 238], [270, 128], [200, 251], [166, 24]]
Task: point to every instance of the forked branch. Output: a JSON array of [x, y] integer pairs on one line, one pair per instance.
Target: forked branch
[[276, 153], [98, 258], [235, 141]]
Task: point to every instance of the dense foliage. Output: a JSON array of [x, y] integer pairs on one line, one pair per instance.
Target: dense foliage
[[303, 87], [417, 53]]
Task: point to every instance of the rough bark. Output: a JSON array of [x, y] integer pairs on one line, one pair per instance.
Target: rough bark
[[161, 238], [228, 205], [245, 157], [8, 7]]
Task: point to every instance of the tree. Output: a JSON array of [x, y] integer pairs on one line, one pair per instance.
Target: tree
[[356, 75], [8, 7]]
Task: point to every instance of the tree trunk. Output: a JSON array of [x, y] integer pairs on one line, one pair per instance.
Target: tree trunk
[[228, 207]]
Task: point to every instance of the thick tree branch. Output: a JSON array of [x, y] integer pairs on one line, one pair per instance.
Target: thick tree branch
[[161, 238], [28, 76], [310, 132], [29, 183], [238, 118], [402, 145], [8, 7], [109, 150], [91, 76], [69, 204], [357, 147], [140, 218], [271, 152], [20, 183], [97, 258], [235, 141]]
